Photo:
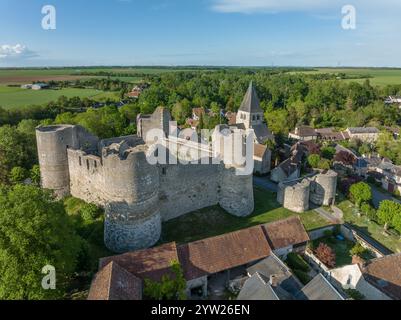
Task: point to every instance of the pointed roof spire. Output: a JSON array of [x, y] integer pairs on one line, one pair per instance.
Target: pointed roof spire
[[251, 101]]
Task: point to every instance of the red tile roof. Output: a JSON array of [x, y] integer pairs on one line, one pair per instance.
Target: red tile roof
[[385, 274], [284, 233], [115, 283], [224, 252], [259, 150], [150, 263]]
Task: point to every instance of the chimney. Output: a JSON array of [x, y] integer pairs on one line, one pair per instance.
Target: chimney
[[273, 280]]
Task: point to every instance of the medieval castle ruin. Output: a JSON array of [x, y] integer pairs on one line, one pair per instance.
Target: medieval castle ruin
[[137, 196], [319, 189]]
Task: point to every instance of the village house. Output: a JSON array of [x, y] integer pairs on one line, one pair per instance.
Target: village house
[[378, 279], [262, 159], [303, 133], [319, 289], [290, 169], [40, 86], [365, 134], [201, 260]]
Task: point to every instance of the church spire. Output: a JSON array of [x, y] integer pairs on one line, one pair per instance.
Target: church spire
[[250, 103]]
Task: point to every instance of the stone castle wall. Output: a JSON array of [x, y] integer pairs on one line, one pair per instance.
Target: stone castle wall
[[319, 190], [137, 196]]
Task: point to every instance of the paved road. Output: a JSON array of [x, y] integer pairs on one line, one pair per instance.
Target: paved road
[[265, 183], [378, 196]]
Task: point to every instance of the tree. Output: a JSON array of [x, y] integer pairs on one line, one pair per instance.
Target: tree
[[314, 160], [370, 212], [388, 210], [328, 152], [35, 232], [361, 192], [397, 220], [326, 255], [345, 158], [16, 150], [18, 175], [169, 288]]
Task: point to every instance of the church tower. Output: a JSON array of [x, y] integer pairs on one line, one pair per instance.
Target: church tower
[[250, 113]]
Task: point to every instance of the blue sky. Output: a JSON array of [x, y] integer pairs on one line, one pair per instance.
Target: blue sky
[[200, 32]]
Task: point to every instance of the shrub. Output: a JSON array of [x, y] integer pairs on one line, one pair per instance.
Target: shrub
[[296, 262], [326, 255], [89, 212], [358, 250], [355, 294], [313, 160], [18, 175], [302, 276]]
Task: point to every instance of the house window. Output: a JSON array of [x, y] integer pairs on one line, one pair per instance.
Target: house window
[[87, 163], [164, 171], [80, 161], [253, 118], [95, 164]]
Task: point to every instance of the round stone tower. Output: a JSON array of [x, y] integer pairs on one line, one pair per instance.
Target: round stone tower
[[53, 142], [133, 219], [236, 193], [294, 195], [324, 188]]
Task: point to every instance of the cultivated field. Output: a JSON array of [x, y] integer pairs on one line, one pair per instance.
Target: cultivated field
[[13, 97], [22, 76], [380, 77]]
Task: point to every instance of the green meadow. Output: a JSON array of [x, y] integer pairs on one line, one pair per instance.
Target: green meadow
[[13, 97]]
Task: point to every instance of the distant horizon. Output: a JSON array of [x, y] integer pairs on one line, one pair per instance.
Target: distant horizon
[[199, 66]]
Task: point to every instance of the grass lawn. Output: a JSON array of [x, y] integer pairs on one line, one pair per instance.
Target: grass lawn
[[214, 221], [12, 97], [341, 248], [370, 228]]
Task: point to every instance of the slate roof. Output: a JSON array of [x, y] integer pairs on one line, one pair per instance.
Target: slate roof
[[255, 288], [212, 255], [113, 282], [262, 133], [284, 233], [319, 289], [150, 263], [385, 274], [360, 130], [287, 286], [251, 101]]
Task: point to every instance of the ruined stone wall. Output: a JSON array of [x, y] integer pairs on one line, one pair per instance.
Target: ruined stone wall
[[236, 193], [53, 142], [86, 177], [186, 188], [294, 196], [137, 196], [133, 218], [319, 189], [324, 188]]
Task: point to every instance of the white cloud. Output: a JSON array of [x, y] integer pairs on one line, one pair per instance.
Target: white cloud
[[15, 52], [274, 6]]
